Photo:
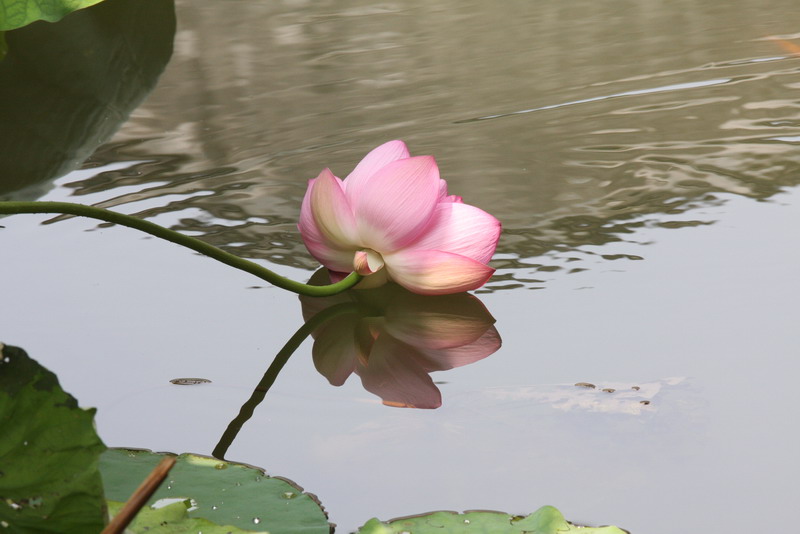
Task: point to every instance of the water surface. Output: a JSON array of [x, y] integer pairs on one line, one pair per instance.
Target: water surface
[[644, 161]]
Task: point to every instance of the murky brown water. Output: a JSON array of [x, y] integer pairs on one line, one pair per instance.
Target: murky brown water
[[646, 154]]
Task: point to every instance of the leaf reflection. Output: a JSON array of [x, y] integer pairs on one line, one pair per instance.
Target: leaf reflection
[[396, 338], [67, 87]]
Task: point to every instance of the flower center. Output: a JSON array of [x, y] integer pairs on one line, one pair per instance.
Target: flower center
[[367, 261]]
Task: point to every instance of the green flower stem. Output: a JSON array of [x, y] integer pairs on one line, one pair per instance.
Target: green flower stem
[[82, 210]]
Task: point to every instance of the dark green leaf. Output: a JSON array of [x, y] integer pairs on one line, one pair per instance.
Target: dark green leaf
[[49, 451]]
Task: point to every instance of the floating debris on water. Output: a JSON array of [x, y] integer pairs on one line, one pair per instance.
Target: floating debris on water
[[189, 381]]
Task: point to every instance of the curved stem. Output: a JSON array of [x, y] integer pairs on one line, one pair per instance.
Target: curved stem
[[82, 210]]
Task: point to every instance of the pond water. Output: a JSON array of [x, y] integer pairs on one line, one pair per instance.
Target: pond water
[[644, 158]]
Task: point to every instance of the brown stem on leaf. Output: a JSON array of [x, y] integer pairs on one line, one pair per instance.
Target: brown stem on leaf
[[139, 497]]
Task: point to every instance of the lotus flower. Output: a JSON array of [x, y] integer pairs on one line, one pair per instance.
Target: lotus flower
[[394, 339], [393, 219]]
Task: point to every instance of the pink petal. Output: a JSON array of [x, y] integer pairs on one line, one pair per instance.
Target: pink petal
[[461, 229], [433, 272], [442, 189], [307, 224], [320, 247], [374, 161], [334, 259], [332, 213], [396, 204]]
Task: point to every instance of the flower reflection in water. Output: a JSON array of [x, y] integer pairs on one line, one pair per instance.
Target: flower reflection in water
[[396, 338], [391, 338]]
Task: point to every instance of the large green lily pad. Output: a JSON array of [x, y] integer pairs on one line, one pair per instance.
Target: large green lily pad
[[225, 493], [49, 452], [545, 520]]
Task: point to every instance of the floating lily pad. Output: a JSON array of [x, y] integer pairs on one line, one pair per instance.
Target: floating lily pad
[[18, 13], [172, 519], [225, 493], [49, 453], [545, 520]]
